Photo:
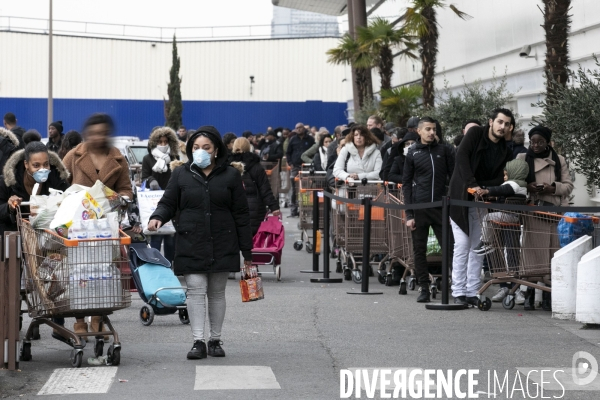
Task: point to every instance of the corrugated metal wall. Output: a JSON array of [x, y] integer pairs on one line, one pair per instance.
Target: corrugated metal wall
[[92, 68], [128, 79]]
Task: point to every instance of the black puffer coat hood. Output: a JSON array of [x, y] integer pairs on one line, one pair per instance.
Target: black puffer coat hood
[[213, 134]]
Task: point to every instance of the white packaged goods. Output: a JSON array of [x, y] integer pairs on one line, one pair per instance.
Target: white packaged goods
[[76, 206]]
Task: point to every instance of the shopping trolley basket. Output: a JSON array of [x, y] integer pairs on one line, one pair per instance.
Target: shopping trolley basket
[[309, 181], [74, 278]]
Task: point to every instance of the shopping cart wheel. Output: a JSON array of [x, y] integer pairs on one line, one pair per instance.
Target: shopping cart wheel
[[508, 302], [77, 358], [35, 333], [381, 277], [113, 355], [309, 247], [402, 288], [298, 245], [146, 315], [278, 272], [183, 316], [412, 284], [484, 304], [26, 352], [433, 292], [99, 347], [356, 276], [347, 274]]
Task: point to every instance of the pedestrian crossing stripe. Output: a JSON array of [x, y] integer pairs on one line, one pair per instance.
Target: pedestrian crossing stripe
[[79, 381], [230, 377]]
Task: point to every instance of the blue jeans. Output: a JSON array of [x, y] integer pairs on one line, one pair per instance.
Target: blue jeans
[[169, 240]]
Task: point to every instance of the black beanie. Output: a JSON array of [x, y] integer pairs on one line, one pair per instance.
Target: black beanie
[[543, 131], [58, 125]]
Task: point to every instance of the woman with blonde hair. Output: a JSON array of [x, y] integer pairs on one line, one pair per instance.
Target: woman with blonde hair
[[256, 183]]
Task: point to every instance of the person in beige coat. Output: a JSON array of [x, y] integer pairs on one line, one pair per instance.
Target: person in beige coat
[[549, 181], [95, 159], [548, 184]]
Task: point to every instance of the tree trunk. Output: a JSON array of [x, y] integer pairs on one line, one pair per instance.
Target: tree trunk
[[556, 26], [386, 67], [362, 82], [428, 53]]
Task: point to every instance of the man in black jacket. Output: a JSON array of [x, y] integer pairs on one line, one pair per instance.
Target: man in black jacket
[[273, 148], [298, 145], [480, 161], [427, 168], [10, 123]]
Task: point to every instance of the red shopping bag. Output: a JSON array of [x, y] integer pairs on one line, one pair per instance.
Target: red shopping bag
[[251, 285]]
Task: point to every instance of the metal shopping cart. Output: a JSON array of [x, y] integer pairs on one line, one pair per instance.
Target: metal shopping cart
[[352, 216], [283, 188], [308, 182], [520, 247], [74, 278], [401, 248]]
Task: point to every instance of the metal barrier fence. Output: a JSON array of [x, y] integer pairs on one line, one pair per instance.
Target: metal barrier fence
[[10, 301]]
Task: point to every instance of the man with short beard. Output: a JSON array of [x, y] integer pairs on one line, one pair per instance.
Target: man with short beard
[[480, 161]]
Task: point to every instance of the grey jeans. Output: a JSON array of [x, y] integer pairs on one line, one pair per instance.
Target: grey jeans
[[201, 286]]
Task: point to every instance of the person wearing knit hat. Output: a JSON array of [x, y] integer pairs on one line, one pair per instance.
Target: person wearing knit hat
[[55, 136], [549, 180]]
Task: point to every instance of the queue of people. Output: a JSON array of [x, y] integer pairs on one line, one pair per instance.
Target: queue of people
[[217, 192]]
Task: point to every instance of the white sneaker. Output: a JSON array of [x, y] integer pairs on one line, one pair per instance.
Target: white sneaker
[[519, 298], [498, 297]]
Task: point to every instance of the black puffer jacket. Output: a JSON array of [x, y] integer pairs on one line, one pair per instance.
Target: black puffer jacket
[[275, 152], [258, 188], [213, 216], [427, 169], [149, 161], [12, 184]]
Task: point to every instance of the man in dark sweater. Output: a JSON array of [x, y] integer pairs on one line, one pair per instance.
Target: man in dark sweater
[[480, 161], [427, 168], [298, 145]]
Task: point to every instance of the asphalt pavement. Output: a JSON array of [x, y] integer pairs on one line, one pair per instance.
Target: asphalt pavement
[[294, 343]]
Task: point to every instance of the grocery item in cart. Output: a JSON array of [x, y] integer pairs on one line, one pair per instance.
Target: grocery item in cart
[[76, 206], [574, 225]]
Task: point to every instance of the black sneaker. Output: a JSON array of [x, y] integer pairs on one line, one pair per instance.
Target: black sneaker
[[472, 300], [425, 296], [214, 348], [198, 351], [461, 300]]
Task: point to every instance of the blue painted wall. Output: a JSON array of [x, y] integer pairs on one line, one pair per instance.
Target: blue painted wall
[[138, 117]]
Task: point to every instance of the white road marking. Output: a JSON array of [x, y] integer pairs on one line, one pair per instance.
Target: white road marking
[[235, 377], [79, 380]]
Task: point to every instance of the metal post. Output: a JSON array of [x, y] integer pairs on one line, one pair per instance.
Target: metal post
[[50, 95], [351, 31], [10, 301], [326, 250], [366, 255], [445, 261], [315, 219]]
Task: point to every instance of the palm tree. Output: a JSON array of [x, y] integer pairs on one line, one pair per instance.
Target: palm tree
[[421, 20], [400, 103], [349, 52], [556, 25], [378, 39]]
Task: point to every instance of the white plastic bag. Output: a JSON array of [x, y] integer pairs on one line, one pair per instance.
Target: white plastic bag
[[76, 206], [147, 202], [43, 209], [106, 198]]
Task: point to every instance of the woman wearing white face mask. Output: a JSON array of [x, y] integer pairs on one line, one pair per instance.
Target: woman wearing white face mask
[[208, 198], [408, 140], [163, 147], [31, 169]]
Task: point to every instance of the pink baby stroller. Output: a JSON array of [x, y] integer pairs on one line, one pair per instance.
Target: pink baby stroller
[[268, 245]]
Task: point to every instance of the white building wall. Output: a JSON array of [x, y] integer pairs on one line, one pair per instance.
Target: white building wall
[[91, 68]]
